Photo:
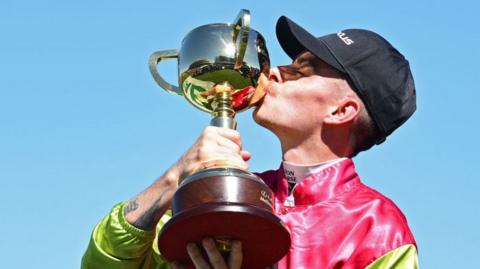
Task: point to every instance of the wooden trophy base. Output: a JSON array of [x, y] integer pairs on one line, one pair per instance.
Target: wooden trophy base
[[225, 204]]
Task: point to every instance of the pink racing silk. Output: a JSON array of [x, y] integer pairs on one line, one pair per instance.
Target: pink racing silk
[[337, 221]]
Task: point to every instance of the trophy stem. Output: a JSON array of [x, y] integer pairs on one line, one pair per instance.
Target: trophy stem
[[223, 113]]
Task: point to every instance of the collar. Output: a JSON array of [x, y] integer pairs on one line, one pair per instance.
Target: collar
[[322, 185], [295, 173]]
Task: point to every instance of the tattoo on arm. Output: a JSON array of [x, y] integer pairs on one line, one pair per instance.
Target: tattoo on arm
[[131, 206], [149, 219]]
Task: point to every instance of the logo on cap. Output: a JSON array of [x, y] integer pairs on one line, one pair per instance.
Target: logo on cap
[[345, 38]]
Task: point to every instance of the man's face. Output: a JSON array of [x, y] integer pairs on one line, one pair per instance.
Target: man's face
[[300, 95]]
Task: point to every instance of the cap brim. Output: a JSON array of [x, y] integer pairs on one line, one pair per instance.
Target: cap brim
[[294, 40]]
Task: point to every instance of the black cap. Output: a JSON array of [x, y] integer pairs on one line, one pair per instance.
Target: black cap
[[381, 75]]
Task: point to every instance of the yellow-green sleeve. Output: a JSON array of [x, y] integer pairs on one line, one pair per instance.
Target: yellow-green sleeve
[[116, 244], [404, 257]]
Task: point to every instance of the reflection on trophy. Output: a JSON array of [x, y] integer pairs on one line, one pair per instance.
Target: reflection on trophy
[[219, 66]]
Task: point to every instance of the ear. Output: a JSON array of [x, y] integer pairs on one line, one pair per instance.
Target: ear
[[345, 111]]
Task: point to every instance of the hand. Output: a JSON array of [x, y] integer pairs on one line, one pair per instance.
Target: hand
[[215, 146], [216, 260]]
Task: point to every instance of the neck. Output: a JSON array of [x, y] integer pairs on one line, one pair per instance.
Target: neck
[[306, 151], [316, 146]]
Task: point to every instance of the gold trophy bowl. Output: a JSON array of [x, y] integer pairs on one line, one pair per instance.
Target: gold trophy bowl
[[219, 66]]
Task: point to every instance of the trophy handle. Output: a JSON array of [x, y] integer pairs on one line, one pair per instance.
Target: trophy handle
[[155, 58], [240, 36]]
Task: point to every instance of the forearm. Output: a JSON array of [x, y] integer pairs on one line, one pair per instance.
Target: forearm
[[117, 244], [146, 209], [123, 239]]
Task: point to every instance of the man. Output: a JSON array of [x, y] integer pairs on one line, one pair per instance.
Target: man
[[342, 94]]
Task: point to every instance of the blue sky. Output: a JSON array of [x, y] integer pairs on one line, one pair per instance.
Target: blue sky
[[83, 125]]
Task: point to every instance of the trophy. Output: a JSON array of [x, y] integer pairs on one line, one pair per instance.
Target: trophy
[[219, 66]]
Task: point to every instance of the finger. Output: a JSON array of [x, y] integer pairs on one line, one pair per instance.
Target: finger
[[177, 265], [210, 145], [236, 256], [196, 256], [216, 259], [228, 144], [221, 158], [245, 155], [230, 134], [222, 162]]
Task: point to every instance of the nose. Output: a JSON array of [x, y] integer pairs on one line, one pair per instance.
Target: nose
[[275, 75]]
